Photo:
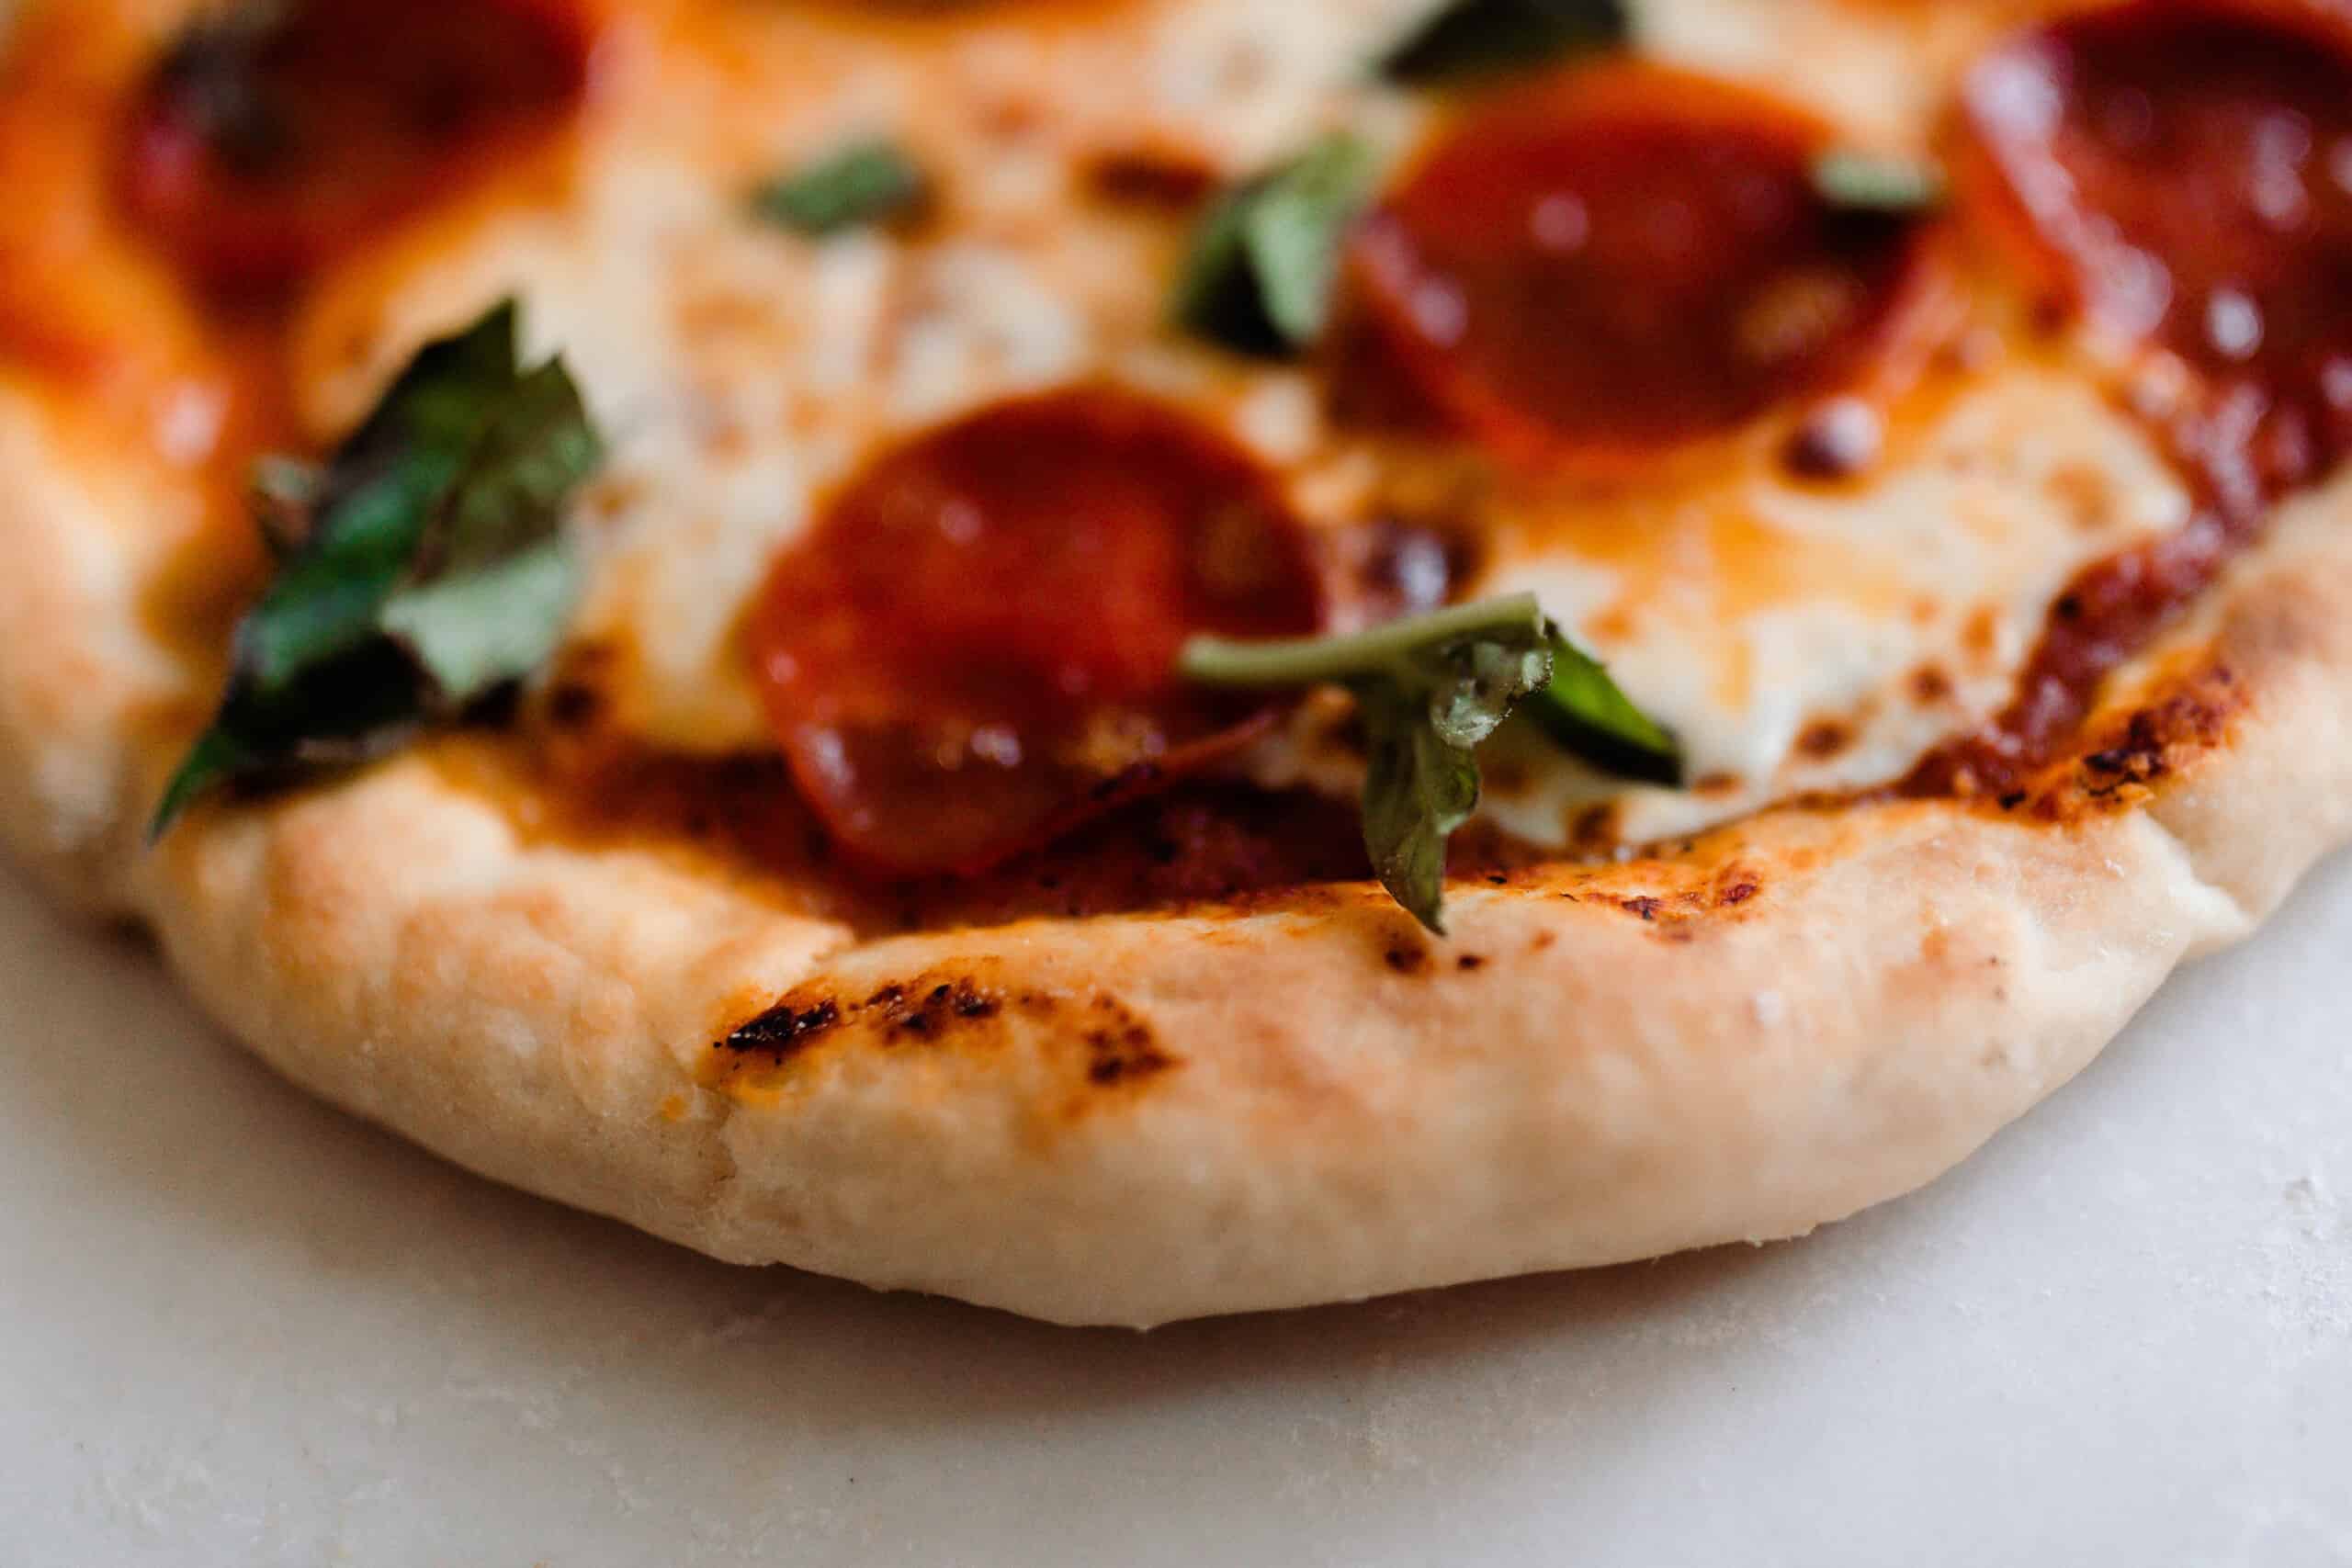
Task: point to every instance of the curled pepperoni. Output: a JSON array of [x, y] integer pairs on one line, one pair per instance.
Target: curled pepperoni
[[2184, 167], [1621, 260], [974, 650], [266, 141]]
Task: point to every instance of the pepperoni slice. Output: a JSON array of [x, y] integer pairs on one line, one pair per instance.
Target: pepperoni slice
[[2185, 166], [267, 140], [1621, 260], [974, 650]]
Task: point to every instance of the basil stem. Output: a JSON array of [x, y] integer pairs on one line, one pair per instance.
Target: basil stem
[[1871, 181]]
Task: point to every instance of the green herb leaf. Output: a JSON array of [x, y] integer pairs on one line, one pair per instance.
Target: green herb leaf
[[1260, 272], [1872, 182], [1585, 713], [866, 182], [1431, 689], [425, 566], [1417, 790], [1465, 37]]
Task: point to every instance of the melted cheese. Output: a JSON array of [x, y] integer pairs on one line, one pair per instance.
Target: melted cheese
[[1798, 637]]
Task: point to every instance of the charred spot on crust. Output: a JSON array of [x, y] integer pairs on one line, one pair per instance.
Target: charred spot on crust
[[1677, 914], [785, 1029], [2143, 753], [924, 1008], [1120, 1048], [940, 1008], [925, 1012], [1406, 958], [2124, 765]]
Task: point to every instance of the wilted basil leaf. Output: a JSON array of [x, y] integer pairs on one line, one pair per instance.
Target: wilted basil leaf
[[1430, 690], [866, 182], [1584, 712], [1418, 789], [1871, 181], [426, 566], [1260, 272], [1464, 37]]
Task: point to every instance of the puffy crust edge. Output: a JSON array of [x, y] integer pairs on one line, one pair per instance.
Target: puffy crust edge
[[1140, 1119]]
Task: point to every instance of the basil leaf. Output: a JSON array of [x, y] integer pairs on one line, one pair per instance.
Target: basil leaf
[[1486, 679], [475, 632], [866, 181], [1260, 272], [1417, 790], [1429, 689], [217, 757], [426, 566], [1871, 181], [1585, 713], [1464, 37]]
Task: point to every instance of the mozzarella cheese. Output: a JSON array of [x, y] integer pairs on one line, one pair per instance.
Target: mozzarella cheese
[[1797, 636]]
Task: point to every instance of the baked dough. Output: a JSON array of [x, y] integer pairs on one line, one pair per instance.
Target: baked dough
[[1291, 1098]]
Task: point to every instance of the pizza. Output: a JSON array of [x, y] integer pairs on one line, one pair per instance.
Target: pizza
[[1164, 657]]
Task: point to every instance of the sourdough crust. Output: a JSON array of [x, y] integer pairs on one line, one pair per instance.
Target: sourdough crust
[[1137, 1119]]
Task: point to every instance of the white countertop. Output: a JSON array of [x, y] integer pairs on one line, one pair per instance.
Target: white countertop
[[237, 1328]]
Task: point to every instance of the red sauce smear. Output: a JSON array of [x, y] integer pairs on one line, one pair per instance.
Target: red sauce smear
[[2184, 172], [1615, 262], [263, 145], [974, 650]]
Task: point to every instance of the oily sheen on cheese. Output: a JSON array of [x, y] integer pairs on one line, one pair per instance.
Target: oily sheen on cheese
[[1798, 635]]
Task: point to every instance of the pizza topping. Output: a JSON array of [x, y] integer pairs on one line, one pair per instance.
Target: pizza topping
[[1262, 264], [1609, 264], [864, 183], [272, 135], [1467, 37], [1431, 689], [1871, 181], [2182, 165], [974, 650], [424, 566], [1585, 714]]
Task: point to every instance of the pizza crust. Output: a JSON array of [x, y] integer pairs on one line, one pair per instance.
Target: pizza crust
[[1140, 1118], [1137, 1119]]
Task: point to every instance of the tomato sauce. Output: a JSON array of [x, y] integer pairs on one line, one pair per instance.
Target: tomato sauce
[[2183, 170]]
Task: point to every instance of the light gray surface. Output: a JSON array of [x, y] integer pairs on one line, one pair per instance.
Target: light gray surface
[[238, 1329]]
